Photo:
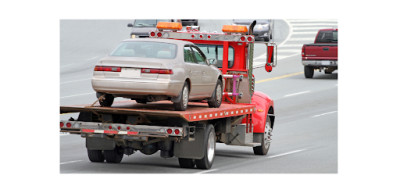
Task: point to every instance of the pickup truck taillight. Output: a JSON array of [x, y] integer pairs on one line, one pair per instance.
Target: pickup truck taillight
[[107, 68], [156, 71], [303, 49]]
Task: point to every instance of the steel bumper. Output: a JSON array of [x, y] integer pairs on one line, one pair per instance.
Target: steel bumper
[[320, 63]]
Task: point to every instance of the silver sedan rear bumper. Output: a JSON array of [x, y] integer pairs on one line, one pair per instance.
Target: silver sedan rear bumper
[[137, 86]]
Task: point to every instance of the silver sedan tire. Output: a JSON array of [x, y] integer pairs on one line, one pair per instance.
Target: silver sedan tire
[[183, 100], [216, 98]]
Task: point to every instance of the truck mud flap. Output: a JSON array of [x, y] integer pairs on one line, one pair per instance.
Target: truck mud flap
[[192, 149], [99, 144]]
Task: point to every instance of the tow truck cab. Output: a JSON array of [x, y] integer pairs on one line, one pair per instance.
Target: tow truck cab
[[232, 52]]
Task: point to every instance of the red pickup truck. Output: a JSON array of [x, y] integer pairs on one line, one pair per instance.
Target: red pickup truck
[[322, 54]]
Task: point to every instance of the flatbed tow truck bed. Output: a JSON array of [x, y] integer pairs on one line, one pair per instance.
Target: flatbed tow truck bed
[[196, 111]]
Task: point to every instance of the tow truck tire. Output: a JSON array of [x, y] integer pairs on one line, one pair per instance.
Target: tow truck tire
[[186, 163], [113, 156], [209, 149], [182, 103], [265, 141], [308, 71], [108, 100], [216, 98], [95, 155]]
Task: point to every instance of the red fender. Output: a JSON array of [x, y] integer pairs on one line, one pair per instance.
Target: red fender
[[263, 103]]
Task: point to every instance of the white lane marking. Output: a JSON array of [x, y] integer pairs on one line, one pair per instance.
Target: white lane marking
[[92, 58], [292, 45], [297, 93], [77, 95], [206, 171], [324, 114], [72, 81], [287, 153], [307, 28], [69, 162], [306, 33], [303, 39], [289, 35]]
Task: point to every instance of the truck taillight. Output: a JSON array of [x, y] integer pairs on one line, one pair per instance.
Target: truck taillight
[[177, 131], [169, 131], [303, 51], [152, 34], [159, 34], [61, 124], [69, 124], [156, 71], [107, 68], [242, 38]]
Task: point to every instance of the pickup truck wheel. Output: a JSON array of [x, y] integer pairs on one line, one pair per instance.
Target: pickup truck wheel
[[182, 103], [308, 71], [107, 101], [186, 163], [216, 98], [209, 149], [113, 156], [266, 140], [95, 155]]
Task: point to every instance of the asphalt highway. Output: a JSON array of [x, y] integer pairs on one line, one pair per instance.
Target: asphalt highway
[[305, 137]]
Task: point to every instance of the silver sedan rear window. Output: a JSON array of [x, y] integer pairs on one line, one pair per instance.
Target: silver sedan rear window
[[145, 49]]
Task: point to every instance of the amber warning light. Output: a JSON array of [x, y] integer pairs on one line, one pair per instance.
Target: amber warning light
[[234, 29], [169, 25]]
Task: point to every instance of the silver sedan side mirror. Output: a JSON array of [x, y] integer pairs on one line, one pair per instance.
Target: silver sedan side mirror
[[211, 61]]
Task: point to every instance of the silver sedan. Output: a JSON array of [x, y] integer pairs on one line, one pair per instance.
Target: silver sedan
[[149, 70]]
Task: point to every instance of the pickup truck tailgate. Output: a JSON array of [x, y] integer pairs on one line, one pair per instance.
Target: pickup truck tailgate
[[321, 52]]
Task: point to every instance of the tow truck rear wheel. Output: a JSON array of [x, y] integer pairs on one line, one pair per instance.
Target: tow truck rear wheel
[[95, 155], [186, 163], [216, 98], [114, 156], [265, 141], [308, 71], [209, 149]]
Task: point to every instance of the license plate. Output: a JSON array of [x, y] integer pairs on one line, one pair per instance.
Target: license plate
[[325, 62], [130, 72]]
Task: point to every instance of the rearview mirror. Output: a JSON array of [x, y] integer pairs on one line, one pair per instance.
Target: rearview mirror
[[211, 61], [130, 25]]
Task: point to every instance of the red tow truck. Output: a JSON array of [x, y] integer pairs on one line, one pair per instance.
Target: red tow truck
[[245, 118]]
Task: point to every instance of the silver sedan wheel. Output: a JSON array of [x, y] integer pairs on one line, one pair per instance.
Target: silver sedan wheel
[[185, 96], [219, 94]]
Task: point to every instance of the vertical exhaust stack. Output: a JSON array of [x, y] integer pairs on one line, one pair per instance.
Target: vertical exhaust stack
[[251, 27], [250, 59]]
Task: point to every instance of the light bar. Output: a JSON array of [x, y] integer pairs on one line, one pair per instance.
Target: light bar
[[169, 25], [234, 29]]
